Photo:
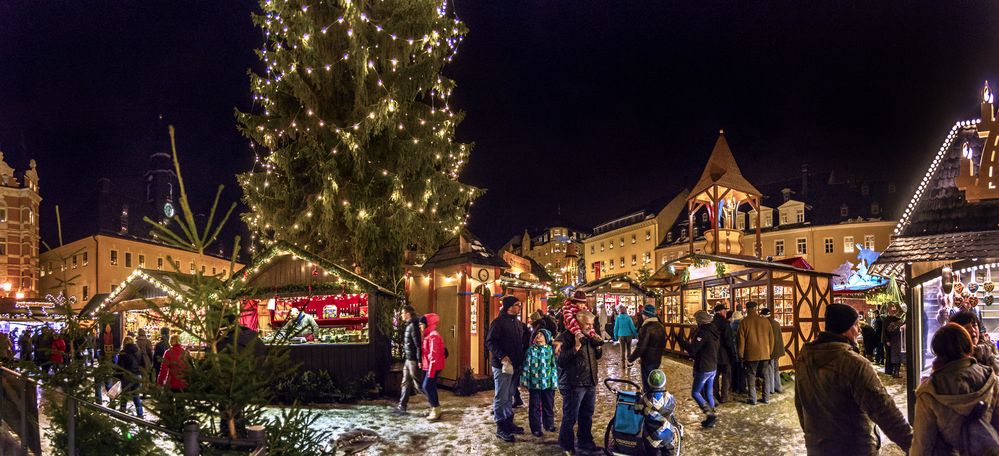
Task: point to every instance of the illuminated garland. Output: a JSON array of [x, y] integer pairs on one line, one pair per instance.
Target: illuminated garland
[[283, 249]]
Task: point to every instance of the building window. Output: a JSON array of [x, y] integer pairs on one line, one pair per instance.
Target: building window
[[159, 263], [611, 265], [799, 215], [86, 292], [779, 247], [847, 244], [634, 238], [202, 269], [86, 261], [683, 233], [611, 247], [844, 210], [768, 220], [192, 268], [740, 221], [704, 217], [647, 258], [869, 241], [891, 187], [828, 245], [74, 262], [3, 215], [648, 235], [875, 208], [783, 217], [622, 241], [593, 249], [669, 237], [142, 261], [752, 220], [213, 270], [223, 273], [128, 259], [802, 245], [114, 258]]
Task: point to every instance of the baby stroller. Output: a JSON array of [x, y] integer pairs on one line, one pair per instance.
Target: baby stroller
[[644, 423]]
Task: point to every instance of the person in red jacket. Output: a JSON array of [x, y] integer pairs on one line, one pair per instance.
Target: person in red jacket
[[432, 362], [56, 357], [173, 367]]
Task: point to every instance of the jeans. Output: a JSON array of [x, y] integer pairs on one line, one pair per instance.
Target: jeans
[[775, 376], [502, 396], [704, 385], [130, 390], [542, 409], [723, 382], [410, 381], [758, 369], [625, 349], [646, 370], [578, 404], [430, 389]]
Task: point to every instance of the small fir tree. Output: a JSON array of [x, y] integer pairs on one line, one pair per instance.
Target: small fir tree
[[354, 132]]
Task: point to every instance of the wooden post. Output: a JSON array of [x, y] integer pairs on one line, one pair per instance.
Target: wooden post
[[258, 433], [71, 425], [913, 343], [191, 445], [690, 225]]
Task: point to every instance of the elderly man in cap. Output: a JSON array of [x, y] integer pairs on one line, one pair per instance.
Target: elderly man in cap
[[727, 356], [651, 344], [505, 343], [756, 343], [837, 393]]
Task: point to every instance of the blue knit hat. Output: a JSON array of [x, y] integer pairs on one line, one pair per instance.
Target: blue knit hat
[[649, 310]]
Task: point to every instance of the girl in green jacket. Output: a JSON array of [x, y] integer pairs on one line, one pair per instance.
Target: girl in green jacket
[[541, 378]]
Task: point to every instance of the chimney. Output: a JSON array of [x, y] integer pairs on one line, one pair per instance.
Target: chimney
[[804, 180]]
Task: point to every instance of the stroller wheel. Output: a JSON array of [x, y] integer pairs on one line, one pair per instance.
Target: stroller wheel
[[609, 438]]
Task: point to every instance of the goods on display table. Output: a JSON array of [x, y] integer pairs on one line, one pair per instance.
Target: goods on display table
[[342, 318]]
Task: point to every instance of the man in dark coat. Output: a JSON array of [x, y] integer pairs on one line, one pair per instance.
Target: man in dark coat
[[727, 356], [837, 393], [412, 343], [878, 324], [891, 338], [576, 358], [651, 344], [160, 349], [505, 343]]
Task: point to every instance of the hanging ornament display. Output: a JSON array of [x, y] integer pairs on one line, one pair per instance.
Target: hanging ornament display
[[958, 287], [989, 285], [972, 301], [965, 294], [973, 286], [958, 301], [989, 300]]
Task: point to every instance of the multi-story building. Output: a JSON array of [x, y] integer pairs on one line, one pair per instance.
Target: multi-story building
[[103, 261], [627, 244], [558, 248], [19, 237], [816, 217]]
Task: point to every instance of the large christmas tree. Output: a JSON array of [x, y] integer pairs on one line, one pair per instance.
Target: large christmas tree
[[353, 131]]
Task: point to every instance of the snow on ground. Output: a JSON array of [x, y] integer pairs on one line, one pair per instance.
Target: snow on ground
[[467, 425]]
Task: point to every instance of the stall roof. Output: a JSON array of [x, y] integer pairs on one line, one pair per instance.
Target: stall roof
[[723, 171], [539, 271], [92, 304], [942, 247], [259, 266], [663, 276], [145, 284], [29, 307], [596, 284], [464, 248]]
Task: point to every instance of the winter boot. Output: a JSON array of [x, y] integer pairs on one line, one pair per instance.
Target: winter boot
[[435, 414], [503, 431], [710, 421], [513, 428]]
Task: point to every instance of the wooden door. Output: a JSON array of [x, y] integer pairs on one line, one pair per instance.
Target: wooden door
[[447, 309]]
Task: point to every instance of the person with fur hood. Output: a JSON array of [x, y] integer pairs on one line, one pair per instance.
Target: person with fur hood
[[432, 361], [956, 406], [541, 378]]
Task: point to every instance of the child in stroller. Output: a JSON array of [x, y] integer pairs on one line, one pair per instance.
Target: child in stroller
[[644, 422]]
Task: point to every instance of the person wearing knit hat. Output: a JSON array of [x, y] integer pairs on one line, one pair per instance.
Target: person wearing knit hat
[[505, 343], [838, 393], [703, 346], [651, 344]]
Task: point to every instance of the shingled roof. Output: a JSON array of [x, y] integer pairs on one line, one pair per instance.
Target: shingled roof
[[723, 171], [472, 251]]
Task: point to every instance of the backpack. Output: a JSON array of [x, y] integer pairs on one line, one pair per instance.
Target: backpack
[[978, 437]]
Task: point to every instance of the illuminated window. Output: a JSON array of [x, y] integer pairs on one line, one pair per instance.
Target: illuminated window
[[622, 241], [86, 261], [114, 258], [3, 215], [869, 241], [634, 238], [611, 245], [704, 217], [634, 260], [192, 268], [622, 262], [847, 244], [669, 237], [779, 247], [612, 265], [683, 233], [159, 263], [647, 258], [783, 217], [128, 259], [142, 261], [593, 249], [648, 235], [829, 247], [74, 262], [86, 292], [799, 215], [601, 246], [801, 244]]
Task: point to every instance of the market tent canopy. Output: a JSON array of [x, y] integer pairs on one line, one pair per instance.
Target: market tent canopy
[[283, 264]]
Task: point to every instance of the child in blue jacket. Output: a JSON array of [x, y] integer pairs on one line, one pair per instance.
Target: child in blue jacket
[[541, 378], [624, 331]]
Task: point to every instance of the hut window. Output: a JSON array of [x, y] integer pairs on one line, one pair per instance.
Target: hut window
[[847, 244], [801, 245], [779, 247], [671, 306]]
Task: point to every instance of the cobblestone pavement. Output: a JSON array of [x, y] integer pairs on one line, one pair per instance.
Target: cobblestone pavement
[[467, 426]]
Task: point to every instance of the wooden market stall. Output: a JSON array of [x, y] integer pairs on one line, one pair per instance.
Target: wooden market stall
[[464, 282], [946, 243], [605, 294], [352, 312], [725, 272]]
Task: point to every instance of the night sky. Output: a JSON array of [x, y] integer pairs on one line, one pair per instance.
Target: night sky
[[594, 107]]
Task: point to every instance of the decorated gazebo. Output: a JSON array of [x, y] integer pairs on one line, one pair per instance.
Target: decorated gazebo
[[724, 272]]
